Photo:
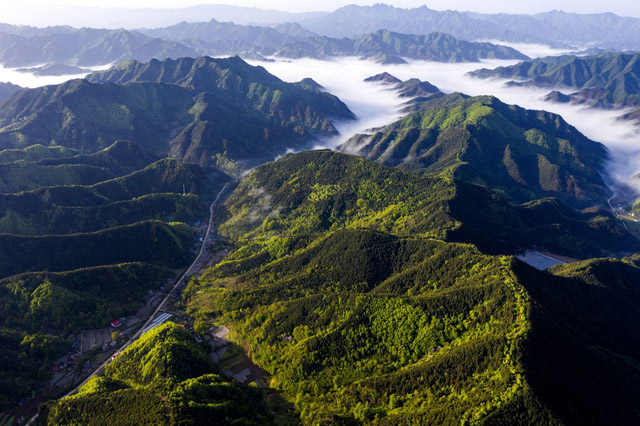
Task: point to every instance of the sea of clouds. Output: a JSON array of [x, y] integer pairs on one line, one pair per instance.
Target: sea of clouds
[[376, 106]]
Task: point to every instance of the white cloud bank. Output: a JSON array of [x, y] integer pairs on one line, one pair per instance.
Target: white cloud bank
[[376, 106]]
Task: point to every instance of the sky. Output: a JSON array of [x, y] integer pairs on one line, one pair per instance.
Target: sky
[[621, 7]]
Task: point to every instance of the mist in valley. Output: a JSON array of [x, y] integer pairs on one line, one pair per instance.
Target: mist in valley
[[375, 105]]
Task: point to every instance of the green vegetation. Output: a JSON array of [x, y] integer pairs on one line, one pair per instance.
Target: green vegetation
[[25, 361], [39, 310], [360, 325], [521, 153], [35, 153], [32, 219], [150, 241], [606, 80], [162, 378], [364, 321], [190, 109], [312, 192], [78, 300], [67, 243]]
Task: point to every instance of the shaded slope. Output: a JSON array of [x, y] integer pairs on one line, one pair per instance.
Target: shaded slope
[[606, 80], [199, 108], [151, 242]]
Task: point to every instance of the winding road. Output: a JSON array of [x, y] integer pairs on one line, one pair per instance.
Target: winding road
[[188, 271]]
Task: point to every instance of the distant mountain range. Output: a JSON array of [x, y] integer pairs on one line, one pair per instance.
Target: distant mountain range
[[28, 46], [192, 109], [67, 49], [554, 27], [607, 80]]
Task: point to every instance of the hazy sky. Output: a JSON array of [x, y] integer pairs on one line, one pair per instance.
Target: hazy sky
[[621, 7]]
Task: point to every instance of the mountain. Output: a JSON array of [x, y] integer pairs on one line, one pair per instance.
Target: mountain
[[191, 109], [607, 80], [65, 50], [432, 47], [8, 89], [164, 377], [35, 153], [83, 47], [418, 91], [605, 30], [224, 38], [521, 153], [92, 235], [343, 293], [314, 192]]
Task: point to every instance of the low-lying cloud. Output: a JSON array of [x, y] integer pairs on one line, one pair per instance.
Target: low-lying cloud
[[30, 80], [376, 106]]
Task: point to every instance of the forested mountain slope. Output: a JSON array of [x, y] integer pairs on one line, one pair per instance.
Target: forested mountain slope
[[361, 316], [608, 80], [522, 153], [198, 109], [165, 377]]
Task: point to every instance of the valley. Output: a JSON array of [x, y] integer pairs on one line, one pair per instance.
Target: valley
[[343, 218]]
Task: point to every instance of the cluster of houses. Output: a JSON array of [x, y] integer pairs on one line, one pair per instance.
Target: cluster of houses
[[71, 358]]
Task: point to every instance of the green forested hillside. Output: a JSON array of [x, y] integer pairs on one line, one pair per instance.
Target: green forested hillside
[[35, 153], [312, 192], [523, 154], [606, 80], [189, 108], [36, 166], [66, 248], [362, 318], [154, 192], [121, 158], [164, 377], [150, 241], [39, 310], [42, 301]]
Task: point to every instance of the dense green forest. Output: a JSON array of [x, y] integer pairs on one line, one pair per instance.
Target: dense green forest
[[312, 192], [520, 153], [190, 109], [150, 241], [76, 300], [39, 310], [78, 250], [361, 319], [164, 377], [380, 290]]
